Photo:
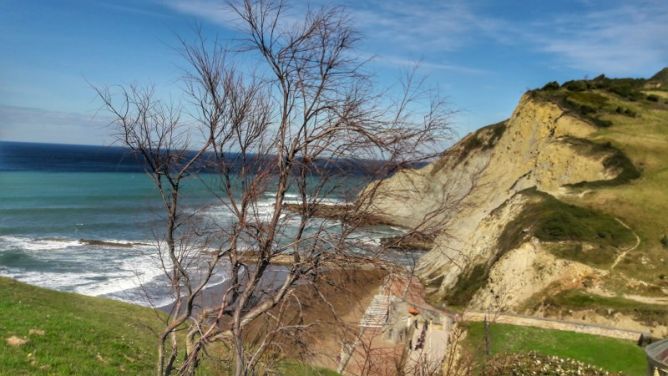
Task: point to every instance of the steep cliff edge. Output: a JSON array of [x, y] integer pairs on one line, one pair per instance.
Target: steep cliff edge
[[516, 204]]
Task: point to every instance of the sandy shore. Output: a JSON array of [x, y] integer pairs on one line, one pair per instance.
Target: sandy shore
[[211, 296], [331, 306]]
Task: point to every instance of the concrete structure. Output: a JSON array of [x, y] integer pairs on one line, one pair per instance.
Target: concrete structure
[[657, 358]]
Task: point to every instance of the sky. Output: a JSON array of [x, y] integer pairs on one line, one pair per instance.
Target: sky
[[481, 54]]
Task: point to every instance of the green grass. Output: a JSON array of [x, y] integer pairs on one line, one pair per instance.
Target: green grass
[[592, 100], [300, 369], [607, 353], [483, 139], [88, 336], [642, 203], [552, 220], [613, 159], [467, 285], [82, 335]]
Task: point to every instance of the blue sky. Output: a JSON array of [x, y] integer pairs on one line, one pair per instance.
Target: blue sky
[[481, 54]]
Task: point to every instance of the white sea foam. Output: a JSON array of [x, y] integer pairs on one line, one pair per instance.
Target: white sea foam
[[127, 273], [30, 244], [46, 244], [112, 269]]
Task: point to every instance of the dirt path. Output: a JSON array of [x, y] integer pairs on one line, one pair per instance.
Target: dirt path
[[647, 299], [623, 254], [543, 323]]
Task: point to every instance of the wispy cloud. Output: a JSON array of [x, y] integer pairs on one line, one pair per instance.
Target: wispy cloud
[[133, 9], [616, 37], [39, 125], [424, 64], [404, 30], [621, 40], [215, 11], [423, 25]]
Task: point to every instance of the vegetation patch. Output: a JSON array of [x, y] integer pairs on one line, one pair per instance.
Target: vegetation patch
[[301, 369], [591, 254], [70, 334], [660, 79], [467, 285], [591, 100], [551, 220], [649, 314], [585, 99], [483, 139], [573, 349], [533, 363], [615, 160]]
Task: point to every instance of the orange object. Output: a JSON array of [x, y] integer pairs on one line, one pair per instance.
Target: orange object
[[413, 311]]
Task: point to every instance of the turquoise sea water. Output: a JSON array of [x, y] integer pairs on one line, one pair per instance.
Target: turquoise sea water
[[47, 219], [49, 215]]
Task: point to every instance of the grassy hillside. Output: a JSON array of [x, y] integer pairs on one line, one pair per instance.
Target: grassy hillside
[[634, 120], [70, 334], [607, 353]]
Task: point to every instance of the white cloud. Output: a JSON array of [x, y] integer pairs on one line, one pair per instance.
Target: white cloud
[[408, 29], [38, 125], [423, 64], [615, 37], [623, 40], [215, 11]]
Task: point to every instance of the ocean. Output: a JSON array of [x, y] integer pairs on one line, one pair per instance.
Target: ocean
[[84, 219]]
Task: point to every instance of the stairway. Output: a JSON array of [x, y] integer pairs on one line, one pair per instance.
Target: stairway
[[377, 312]]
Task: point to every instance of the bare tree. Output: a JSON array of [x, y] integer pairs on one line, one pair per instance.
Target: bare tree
[[293, 124]]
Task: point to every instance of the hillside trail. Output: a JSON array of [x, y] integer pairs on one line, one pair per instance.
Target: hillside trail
[[620, 257], [623, 254], [550, 323]]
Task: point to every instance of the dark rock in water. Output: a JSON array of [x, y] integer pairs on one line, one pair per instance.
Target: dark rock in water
[[415, 241], [103, 243], [344, 212]]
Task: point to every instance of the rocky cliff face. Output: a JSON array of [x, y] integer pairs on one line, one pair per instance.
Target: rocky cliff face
[[478, 187]]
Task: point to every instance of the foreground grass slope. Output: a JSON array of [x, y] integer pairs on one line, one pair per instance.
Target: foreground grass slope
[[607, 353], [70, 334]]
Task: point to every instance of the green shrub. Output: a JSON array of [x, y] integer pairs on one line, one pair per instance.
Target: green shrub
[[629, 112], [614, 159], [586, 110], [554, 85], [664, 241], [552, 220], [625, 111], [653, 98], [578, 85], [588, 98], [467, 285], [602, 123]]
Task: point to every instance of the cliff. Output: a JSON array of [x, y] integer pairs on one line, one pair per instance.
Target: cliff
[[515, 204]]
